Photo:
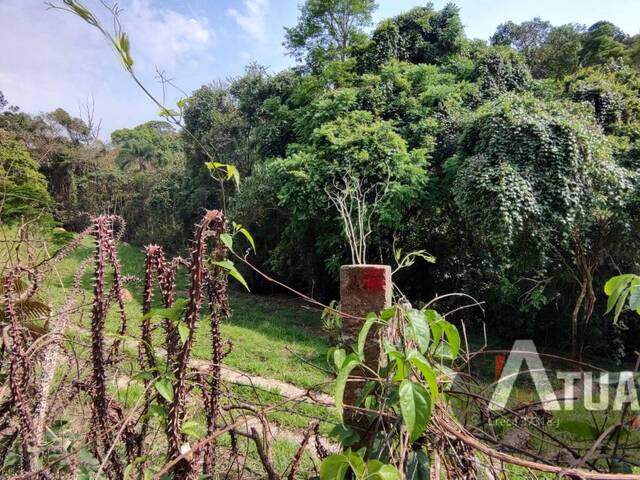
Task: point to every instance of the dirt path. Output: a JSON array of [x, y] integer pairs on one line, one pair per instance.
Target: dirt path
[[288, 390], [238, 377]]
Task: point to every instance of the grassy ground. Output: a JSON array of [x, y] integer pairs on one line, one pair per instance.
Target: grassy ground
[[282, 339]]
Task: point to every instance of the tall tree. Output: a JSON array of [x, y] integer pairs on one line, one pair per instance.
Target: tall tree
[[525, 37], [328, 28], [421, 35], [633, 54], [602, 42], [538, 183], [75, 128], [559, 55], [152, 144]]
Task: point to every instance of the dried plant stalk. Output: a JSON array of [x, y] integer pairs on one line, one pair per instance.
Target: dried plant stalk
[[219, 306], [20, 370], [102, 431], [213, 221], [52, 353]]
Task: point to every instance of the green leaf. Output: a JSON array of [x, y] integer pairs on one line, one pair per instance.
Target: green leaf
[[417, 466], [183, 331], [164, 388], [419, 330], [453, 337], [364, 332], [618, 288], [616, 283], [350, 362], [227, 240], [168, 112], [215, 165], [144, 375], [339, 355], [87, 457], [122, 45], [334, 467], [231, 270], [387, 313], [238, 276], [402, 370], [365, 392], [421, 363], [81, 11], [356, 463], [156, 410], [132, 465], [345, 435], [193, 429], [14, 459], [232, 172], [435, 324], [415, 407], [376, 470], [634, 297], [620, 305], [248, 236], [225, 264]]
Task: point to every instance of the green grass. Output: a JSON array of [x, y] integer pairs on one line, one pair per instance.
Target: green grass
[[273, 339]]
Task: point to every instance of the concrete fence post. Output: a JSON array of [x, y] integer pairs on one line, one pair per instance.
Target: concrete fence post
[[363, 289]]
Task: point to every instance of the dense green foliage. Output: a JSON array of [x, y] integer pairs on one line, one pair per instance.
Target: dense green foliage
[[23, 187], [152, 144], [513, 161], [139, 176], [421, 35]]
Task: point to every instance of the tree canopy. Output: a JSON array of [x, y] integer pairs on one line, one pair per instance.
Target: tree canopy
[[514, 161], [327, 29]]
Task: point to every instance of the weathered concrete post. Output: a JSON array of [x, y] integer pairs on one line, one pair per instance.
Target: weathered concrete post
[[363, 289]]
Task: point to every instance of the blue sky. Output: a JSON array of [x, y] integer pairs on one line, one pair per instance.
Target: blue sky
[[49, 59]]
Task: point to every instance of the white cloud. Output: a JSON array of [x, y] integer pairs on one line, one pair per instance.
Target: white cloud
[[162, 37], [253, 21], [51, 59]]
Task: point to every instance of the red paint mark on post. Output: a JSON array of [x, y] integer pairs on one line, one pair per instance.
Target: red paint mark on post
[[373, 278], [500, 359]]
